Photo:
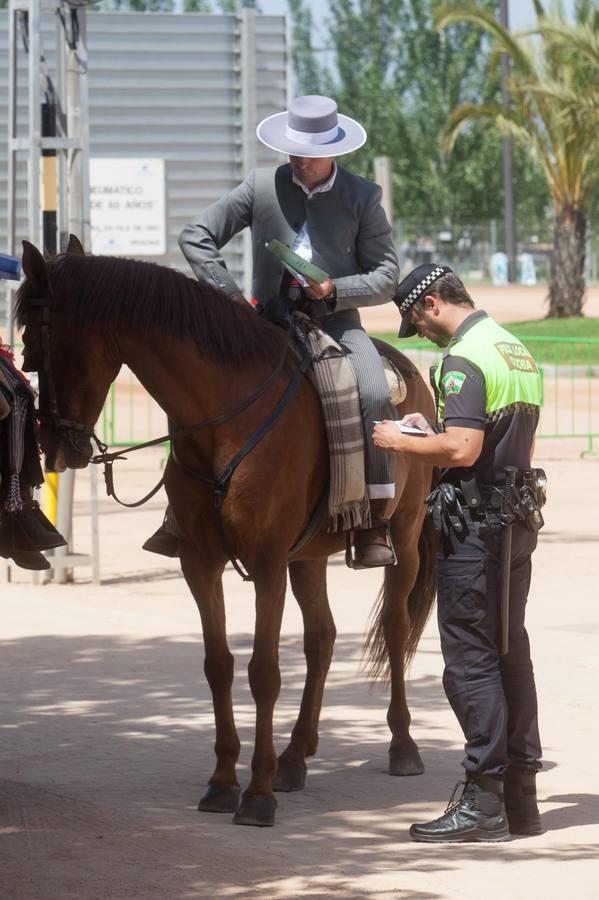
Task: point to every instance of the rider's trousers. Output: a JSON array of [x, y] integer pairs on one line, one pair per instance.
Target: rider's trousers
[[375, 401]]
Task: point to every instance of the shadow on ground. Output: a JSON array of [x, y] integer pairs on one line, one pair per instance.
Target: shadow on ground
[[105, 744]]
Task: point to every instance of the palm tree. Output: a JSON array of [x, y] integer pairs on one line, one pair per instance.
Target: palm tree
[[554, 109]]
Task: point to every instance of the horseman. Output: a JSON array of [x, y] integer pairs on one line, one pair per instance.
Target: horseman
[[335, 220]]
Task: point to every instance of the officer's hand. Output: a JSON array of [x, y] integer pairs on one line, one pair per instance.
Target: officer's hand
[[417, 420], [387, 436], [320, 291]]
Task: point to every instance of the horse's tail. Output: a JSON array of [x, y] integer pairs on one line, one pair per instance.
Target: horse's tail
[[420, 604]]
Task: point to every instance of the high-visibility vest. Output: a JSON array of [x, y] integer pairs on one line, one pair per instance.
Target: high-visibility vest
[[512, 379]]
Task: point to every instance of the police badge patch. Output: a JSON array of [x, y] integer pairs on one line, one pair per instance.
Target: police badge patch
[[453, 382]]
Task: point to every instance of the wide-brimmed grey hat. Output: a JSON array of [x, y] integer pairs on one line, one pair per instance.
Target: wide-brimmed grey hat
[[311, 127]]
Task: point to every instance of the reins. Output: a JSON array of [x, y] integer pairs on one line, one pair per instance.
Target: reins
[[108, 459]]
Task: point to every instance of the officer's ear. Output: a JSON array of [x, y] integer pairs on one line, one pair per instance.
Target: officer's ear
[[430, 304]]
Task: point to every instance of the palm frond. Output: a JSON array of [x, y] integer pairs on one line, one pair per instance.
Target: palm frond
[[506, 42], [583, 38]]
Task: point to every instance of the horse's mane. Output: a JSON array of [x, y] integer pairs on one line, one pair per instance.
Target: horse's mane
[[115, 294]]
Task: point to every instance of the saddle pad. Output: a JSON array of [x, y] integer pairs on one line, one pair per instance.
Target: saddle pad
[[335, 381]]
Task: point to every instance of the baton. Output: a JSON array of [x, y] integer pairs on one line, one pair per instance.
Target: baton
[[507, 518]]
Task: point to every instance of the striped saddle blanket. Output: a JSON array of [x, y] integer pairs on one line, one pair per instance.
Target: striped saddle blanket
[[335, 381]]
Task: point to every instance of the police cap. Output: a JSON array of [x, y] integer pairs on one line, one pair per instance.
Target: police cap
[[413, 287]]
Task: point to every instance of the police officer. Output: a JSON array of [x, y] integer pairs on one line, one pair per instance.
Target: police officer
[[488, 392]]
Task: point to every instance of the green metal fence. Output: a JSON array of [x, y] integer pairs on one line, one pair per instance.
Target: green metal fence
[[130, 414], [570, 372], [569, 366]]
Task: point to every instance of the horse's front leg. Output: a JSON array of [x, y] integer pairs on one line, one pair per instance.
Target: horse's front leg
[[308, 581], [258, 803], [204, 579]]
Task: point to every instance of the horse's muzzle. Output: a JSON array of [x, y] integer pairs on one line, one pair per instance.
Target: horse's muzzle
[[65, 449]]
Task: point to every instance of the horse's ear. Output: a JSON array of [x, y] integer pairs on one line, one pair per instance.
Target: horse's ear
[[34, 267], [75, 246]]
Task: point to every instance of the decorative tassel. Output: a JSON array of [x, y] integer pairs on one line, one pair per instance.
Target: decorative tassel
[[13, 500]]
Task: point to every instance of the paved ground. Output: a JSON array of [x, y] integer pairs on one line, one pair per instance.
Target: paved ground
[[106, 735]]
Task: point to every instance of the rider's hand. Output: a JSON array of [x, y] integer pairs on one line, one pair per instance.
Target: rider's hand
[[387, 436], [323, 291], [417, 420]]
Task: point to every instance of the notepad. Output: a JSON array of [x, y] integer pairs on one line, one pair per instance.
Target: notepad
[[405, 429], [296, 263], [409, 429]]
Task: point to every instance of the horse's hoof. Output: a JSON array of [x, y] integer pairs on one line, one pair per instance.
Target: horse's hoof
[[289, 776], [220, 798], [405, 762], [257, 810]]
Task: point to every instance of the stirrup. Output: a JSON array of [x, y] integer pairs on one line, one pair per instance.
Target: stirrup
[[350, 559]]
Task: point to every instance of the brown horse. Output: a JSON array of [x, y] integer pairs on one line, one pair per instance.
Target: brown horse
[[199, 355]]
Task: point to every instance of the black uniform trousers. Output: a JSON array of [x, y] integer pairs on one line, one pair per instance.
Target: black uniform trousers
[[493, 696]]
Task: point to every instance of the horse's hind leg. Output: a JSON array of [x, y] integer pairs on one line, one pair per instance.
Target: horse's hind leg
[[404, 758], [223, 791], [308, 581]]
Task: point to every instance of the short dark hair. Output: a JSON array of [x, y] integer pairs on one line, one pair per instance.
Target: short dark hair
[[450, 289]]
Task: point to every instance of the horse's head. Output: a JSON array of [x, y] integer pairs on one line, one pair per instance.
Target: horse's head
[[74, 364]]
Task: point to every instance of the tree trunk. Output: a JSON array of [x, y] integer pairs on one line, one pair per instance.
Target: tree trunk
[[567, 286]]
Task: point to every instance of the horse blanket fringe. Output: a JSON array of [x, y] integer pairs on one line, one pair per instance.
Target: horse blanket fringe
[[19, 455], [336, 384]]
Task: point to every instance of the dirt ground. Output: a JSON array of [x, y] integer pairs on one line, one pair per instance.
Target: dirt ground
[[106, 733], [106, 726], [515, 303]]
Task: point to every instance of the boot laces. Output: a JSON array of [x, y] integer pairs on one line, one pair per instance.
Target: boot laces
[[467, 794]]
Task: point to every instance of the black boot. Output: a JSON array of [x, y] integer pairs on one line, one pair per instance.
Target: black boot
[[31, 559], [372, 546], [39, 529], [165, 540], [521, 801], [478, 815]]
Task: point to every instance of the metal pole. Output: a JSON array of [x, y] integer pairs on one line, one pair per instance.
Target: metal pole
[[35, 122], [508, 174], [78, 128], [383, 177], [12, 158], [61, 92], [49, 174], [249, 115], [95, 531]]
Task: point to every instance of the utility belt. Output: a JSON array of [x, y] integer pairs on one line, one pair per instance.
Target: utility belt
[[518, 501]]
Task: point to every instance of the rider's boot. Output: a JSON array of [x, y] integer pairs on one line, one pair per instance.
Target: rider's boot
[[165, 541], [30, 559], [477, 815], [373, 545]]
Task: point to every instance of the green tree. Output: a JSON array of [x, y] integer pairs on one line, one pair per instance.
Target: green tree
[[552, 86], [391, 69]]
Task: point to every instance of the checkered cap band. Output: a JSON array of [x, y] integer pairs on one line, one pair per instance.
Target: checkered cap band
[[415, 293]]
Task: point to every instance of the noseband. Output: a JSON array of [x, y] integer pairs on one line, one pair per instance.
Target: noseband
[[70, 429]]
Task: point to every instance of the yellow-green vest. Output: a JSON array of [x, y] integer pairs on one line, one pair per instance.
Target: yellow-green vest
[[512, 379]]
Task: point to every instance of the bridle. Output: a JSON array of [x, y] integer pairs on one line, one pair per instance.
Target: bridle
[[70, 429], [51, 417]]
